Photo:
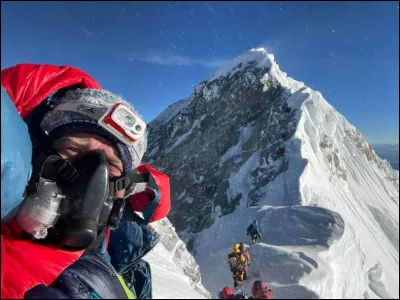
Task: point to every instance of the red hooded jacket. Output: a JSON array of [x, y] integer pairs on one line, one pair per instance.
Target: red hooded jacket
[[25, 264]]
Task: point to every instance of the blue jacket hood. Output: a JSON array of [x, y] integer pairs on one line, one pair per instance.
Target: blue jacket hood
[[16, 156]]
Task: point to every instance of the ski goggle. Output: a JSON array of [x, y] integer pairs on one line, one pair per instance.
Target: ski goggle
[[119, 119]]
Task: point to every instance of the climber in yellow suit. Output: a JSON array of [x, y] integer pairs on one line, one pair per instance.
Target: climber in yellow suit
[[237, 263]]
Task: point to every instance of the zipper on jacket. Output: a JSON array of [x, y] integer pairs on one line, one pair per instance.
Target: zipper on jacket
[[118, 276]]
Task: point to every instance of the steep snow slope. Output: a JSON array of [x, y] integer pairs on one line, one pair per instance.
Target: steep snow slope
[[175, 273], [328, 209], [344, 174]]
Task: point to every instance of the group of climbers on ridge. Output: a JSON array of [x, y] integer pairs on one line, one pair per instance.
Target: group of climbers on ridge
[[239, 260], [259, 290]]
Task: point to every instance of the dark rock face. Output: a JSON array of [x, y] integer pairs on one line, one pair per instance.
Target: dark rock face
[[226, 123]]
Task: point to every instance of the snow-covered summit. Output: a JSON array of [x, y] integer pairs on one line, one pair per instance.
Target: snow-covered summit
[[260, 56], [262, 59]]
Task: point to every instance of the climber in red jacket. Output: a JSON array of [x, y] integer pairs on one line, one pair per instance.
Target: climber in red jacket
[[61, 232], [261, 291]]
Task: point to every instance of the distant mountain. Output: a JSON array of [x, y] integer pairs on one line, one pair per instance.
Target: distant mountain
[[390, 152], [253, 143]]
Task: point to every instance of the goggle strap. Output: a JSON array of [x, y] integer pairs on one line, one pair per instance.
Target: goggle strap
[[126, 181], [89, 110]]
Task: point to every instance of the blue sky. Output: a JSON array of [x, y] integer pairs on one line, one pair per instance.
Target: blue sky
[[154, 53]]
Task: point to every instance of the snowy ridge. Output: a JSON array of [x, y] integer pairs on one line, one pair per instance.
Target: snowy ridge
[[362, 188], [172, 110], [328, 208]]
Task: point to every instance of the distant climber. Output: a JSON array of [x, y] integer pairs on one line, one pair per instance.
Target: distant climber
[[243, 250], [281, 151], [260, 290], [237, 262], [227, 293], [254, 232]]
